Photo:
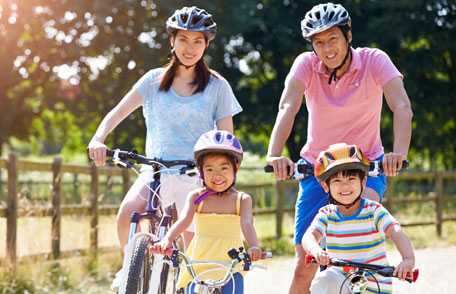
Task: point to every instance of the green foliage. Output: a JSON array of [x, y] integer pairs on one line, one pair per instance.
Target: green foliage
[[10, 284], [110, 44]]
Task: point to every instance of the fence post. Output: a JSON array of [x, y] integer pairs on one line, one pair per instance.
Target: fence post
[[11, 214], [389, 194], [438, 202], [93, 210], [56, 204], [279, 207], [125, 181]]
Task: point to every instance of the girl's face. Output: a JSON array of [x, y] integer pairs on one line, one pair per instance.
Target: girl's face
[[218, 172], [345, 189], [189, 46], [331, 46]]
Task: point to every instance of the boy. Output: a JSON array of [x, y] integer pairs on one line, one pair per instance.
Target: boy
[[354, 227]]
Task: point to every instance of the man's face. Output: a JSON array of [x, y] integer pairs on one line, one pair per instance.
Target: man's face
[[331, 46]]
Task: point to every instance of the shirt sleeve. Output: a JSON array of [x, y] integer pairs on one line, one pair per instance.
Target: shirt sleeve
[[383, 69], [227, 104], [383, 219], [144, 85], [320, 223], [301, 69]]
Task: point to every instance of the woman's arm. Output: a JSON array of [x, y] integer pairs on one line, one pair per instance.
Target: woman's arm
[[97, 149], [226, 124]]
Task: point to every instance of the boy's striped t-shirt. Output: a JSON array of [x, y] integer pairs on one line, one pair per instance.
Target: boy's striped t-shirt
[[359, 237]]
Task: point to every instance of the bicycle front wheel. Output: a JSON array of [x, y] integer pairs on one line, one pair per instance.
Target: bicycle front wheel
[[140, 267]]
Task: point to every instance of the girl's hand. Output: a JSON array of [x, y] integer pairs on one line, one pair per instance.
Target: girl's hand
[[161, 246], [321, 256], [97, 152], [255, 253], [404, 268]]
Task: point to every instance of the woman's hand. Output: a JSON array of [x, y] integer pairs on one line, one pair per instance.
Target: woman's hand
[[97, 152]]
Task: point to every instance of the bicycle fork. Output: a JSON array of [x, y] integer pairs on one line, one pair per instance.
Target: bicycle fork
[[157, 265]]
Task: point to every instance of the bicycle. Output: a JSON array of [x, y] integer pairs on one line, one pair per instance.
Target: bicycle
[[357, 273], [175, 258], [148, 273]]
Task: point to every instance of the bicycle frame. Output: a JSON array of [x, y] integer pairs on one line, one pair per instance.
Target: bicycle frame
[[175, 257], [159, 219]]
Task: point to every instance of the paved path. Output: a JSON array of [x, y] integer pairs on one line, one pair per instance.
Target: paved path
[[437, 274]]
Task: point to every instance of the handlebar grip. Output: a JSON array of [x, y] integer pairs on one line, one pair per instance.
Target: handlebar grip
[[268, 169], [168, 251], [309, 259], [109, 152], [413, 276], [266, 254]]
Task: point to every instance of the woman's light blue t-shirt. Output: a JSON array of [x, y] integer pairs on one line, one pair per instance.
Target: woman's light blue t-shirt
[[174, 123]]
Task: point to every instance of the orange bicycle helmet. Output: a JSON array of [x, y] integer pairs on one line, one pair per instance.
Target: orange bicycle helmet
[[339, 157]]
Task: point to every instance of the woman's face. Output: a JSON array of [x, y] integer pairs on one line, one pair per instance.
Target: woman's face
[[331, 46], [189, 46]]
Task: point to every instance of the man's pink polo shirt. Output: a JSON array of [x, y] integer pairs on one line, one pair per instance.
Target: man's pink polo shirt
[[349, 109]]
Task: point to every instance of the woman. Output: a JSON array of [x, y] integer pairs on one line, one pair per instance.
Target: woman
[[180, 101]]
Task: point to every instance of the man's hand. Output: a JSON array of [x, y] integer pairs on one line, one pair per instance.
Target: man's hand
[[283, 166], [392, 163]]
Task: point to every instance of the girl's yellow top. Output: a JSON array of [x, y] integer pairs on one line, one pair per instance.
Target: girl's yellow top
[[215, 235]]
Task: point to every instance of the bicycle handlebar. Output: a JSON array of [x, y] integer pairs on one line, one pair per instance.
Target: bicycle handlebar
[[384, 270], [132, 155], [302, 171]]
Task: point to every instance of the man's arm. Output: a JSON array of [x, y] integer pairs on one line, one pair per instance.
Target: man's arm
[[290, 103], [399, 103]]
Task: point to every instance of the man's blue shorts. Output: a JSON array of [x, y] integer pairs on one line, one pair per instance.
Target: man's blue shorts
[[311, 197]]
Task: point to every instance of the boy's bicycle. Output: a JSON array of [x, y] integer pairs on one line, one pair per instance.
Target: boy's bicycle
[[148, 273], [357, 274], [175, 258]]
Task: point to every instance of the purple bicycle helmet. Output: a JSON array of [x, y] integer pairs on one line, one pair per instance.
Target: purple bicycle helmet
[[192, 19], [322, 17], [218, 141]]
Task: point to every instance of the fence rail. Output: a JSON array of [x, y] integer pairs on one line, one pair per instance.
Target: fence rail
[[56, 210]]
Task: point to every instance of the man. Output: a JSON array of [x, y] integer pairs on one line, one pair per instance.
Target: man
[[344, 90]]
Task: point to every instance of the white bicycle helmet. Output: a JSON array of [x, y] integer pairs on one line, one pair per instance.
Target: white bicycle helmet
[[322, 17], [218, 141]]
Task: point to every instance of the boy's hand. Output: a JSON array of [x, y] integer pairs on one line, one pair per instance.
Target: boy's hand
[[321, 256], [255, 253], [404, 268]]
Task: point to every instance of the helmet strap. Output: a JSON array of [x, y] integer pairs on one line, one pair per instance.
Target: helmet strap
[[333, 75]]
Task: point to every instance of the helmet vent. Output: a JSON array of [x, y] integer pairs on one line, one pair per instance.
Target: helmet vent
[[218, 137], [317, 15], [331, 15]]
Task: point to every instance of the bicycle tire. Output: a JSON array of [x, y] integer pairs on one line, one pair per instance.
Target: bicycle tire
[[140, 267]]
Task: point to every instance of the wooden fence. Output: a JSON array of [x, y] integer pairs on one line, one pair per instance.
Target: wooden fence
[[56, 210]]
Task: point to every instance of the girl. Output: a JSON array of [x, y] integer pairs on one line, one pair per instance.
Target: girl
[[220, 211], [180, 102]]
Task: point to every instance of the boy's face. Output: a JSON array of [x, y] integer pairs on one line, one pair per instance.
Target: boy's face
[[345, 189], [218, 172]]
